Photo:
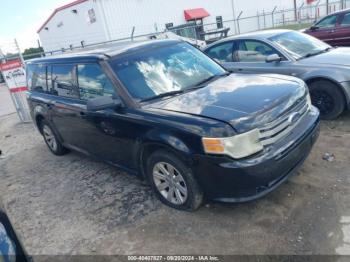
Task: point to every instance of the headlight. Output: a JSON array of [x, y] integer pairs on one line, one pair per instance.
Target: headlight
[[238, 146]]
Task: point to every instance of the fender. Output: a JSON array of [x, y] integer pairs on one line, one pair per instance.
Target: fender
[[346, 92], [38, 111], [157, 139]]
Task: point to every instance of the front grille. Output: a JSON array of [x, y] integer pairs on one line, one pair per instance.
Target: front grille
[[281, 127]]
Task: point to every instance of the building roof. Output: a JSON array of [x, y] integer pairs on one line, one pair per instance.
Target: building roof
[[97, 53], [60, 9]]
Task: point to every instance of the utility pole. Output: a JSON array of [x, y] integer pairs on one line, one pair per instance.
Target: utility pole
[[295, 10], [327, 5]]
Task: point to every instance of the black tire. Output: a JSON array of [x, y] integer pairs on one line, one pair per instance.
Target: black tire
[[327, 97], [194, 196], [58, 149]]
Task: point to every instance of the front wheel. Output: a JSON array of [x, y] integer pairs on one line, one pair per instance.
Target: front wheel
[[173, 182], [327, 97]]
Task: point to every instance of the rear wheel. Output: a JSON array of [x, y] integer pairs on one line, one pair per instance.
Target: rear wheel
[[173, 181], [51, 139], [327, 97]]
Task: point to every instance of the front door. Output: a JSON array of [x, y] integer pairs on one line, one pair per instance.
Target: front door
[[108, 133], [325, 29], [249, 56]]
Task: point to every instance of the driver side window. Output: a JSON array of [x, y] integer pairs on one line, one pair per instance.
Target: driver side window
[[252, 51], [327, 22], [93, 82]]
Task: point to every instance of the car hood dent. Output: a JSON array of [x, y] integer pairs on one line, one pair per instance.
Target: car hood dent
[[244, 101], [338, 57]]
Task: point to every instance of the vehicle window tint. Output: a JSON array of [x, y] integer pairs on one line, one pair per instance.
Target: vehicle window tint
[[93, 82], [63, 81], [37, 78], [328, 22], [222, 52], [252, 51], [346, 20]]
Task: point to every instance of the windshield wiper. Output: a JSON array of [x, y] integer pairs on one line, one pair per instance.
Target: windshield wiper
[[317, 53], [205, 81], [171, 93]]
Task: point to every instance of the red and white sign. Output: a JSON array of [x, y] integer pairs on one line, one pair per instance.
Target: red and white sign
[[14, 75]]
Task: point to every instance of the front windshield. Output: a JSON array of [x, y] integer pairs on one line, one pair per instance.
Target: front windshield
[[299, 45], [170, 68]]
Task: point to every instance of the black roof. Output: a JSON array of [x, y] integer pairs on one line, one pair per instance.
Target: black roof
[[101, 52]]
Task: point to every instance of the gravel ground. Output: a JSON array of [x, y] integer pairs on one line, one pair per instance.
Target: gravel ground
[[75, 205]]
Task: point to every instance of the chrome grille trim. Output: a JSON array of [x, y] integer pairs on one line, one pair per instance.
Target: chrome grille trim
[[276, 130]]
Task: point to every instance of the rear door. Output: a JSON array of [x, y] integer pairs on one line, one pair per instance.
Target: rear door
[[67, 110], [39, 98], [342, 33]]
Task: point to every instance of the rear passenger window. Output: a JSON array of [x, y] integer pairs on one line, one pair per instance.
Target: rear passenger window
[[93, 82], [222, 52], [37, 78], [63, 81]]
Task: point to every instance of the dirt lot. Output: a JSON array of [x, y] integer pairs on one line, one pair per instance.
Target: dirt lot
[[74, 205]]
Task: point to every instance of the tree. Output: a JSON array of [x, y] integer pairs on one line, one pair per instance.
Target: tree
[[32, 52]]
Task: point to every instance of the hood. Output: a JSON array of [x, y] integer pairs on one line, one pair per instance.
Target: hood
[[244, 101], [339, 57]]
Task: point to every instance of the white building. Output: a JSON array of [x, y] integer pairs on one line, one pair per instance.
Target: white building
[[85, 22]]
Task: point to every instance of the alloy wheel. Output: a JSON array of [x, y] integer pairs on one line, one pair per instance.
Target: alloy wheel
[[50, 138], [323, 101], [170, 183]]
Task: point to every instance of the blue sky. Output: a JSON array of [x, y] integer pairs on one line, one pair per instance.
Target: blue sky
[[21, 19]]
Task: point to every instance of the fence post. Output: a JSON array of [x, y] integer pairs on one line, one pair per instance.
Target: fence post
[[132, 33], [316, 8], [234, 15], [300, 8], [327, 6], [238, 26], [258, 16], [273, 16]]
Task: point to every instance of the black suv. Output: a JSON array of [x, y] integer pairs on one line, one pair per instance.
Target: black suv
[[167, 112]]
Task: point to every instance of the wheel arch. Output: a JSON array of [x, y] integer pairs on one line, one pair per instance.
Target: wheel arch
[[311, 80], [146, 149], [38, 119]]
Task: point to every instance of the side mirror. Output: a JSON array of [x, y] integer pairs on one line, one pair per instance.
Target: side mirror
[[103, 102], [314, 28], [273, 58]]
